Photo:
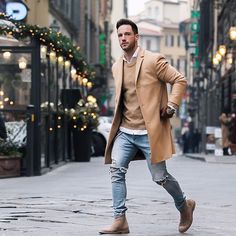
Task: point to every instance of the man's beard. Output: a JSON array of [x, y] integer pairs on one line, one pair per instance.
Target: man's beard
[[129, 48]]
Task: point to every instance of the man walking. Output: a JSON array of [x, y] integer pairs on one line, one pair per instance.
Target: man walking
[[141, 127]]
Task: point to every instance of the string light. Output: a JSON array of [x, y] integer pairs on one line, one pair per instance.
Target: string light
[[60, 59], [73, 72], [67, 64], [222, 50]]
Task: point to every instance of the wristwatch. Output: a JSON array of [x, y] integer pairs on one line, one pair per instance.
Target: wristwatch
[[170, 110]]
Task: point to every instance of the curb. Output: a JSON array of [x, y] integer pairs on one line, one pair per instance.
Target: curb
[[212, 158]]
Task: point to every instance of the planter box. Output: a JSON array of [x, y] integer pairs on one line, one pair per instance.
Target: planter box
[[82, 141], [10, 166]]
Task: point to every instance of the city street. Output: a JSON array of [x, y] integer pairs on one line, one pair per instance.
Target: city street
[[75, 199]]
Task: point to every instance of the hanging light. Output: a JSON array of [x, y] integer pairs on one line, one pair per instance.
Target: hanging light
[[73, 72], [222, 50], [6, 55], [85, 81], [67, 64], [232, 33], [215, 61], [22, 62], [60, 59], [43, 52], [52, 55], [218, 56], [89, 85]]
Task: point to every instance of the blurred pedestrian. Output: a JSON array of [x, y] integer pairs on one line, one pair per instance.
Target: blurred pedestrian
[[232, 132], [141, 126], [225, 121], [185, 138], [196, 140]]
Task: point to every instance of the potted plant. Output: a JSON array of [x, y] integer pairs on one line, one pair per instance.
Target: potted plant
[[84, 118], [10, 159]]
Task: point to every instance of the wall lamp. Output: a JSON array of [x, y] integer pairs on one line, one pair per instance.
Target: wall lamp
[[232, 33]]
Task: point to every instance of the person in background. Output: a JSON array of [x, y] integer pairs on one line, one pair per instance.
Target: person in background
[[196, 140], [225, 121], [233, 131], [141, 125], [185, 138]]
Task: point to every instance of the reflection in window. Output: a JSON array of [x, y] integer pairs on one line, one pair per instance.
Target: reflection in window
[[15, 80]]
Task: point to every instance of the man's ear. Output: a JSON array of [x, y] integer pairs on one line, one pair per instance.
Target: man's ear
[[137, 37]]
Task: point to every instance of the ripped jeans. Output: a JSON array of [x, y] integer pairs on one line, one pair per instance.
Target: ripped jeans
[[124, 149]]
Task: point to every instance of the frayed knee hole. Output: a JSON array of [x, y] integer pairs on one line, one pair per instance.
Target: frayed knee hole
[[162, 181]]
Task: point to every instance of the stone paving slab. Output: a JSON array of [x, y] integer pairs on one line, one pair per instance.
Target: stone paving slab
[[75, 199]]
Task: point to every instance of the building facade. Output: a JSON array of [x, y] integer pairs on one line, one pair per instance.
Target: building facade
[[211, 46], [41, 74]]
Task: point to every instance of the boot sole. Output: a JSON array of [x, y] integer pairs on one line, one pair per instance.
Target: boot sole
[[124, 231]]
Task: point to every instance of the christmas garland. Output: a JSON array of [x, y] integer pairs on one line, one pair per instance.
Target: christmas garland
[[54, 41]]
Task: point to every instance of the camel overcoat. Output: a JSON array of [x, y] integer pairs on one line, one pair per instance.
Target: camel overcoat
[[152, 74]]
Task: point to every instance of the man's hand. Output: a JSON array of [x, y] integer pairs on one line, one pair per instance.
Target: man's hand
[[167, 112]]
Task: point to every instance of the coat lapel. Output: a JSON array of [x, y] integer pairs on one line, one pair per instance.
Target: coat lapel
[[119, 77], [138, 64]]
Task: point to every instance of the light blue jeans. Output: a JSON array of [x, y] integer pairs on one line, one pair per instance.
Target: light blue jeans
[[124, 149]]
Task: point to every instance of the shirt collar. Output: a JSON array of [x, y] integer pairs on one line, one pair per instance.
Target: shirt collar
[[135, 55]]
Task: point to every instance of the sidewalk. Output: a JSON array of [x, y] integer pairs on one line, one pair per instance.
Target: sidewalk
[[75, 200], [212, 158]]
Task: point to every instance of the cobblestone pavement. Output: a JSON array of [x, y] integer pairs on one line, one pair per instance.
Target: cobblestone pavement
[[75, 199]]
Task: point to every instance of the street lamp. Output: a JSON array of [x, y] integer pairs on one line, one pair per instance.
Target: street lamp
[[55, 26]]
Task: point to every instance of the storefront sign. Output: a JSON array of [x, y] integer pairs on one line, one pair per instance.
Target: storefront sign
[[214, 140], [16, 10]]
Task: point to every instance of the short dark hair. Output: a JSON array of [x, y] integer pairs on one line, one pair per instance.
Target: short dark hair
[[127, 22]]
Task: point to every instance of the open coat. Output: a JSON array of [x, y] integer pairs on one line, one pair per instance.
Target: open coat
[[152, 74]]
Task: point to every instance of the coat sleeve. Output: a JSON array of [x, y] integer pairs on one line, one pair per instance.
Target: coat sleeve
[[168, 74]]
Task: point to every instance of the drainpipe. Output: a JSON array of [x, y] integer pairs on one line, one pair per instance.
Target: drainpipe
[[97, 31], [88, 30]]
